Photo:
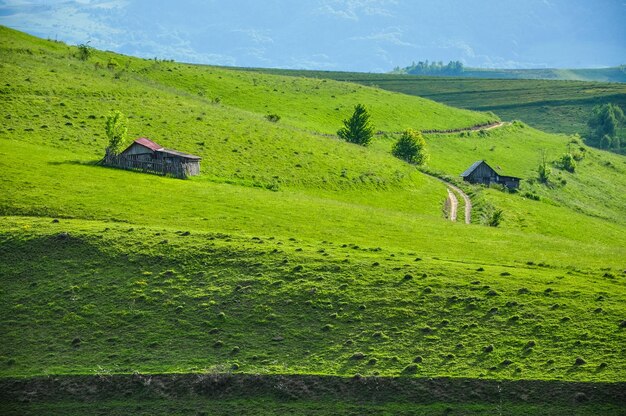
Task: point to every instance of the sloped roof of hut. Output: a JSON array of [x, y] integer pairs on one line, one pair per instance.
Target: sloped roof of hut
[[155, 147]]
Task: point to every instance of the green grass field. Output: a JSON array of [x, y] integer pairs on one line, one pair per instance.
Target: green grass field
[[293, 253], [556, 106]]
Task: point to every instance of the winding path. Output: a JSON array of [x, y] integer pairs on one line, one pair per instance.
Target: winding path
[[453, 191], [466, 198], [454, 204], [489, 126]]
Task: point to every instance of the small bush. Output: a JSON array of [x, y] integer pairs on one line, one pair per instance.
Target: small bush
[[274, 118], [567, 162], [358, 356], [410, 147], [580, 361], [85, 51], [488, 348]]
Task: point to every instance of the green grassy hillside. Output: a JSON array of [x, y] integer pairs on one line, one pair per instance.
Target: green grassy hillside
[[293, 252], [549, 105]]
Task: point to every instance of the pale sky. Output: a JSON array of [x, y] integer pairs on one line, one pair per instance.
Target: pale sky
[[348, 35]]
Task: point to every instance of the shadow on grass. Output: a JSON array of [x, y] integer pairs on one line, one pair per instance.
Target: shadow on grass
[[76, 162]]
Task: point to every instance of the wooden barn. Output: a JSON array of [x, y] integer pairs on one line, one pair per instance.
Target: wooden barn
[[145, 155], [481, 172]]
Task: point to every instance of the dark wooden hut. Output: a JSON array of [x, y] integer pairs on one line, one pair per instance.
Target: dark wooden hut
[[147, 156], [481, 172]]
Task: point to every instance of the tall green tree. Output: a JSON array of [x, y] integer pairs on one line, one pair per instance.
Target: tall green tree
[[116, 128], [411, 147], [357, 129]]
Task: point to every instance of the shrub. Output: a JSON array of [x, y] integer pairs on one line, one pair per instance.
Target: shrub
[[492, 216], [488, 348], [84, 51], [358, 356], [567, 162], [580, 361], [543, 170], [274, 118], [411, 148]]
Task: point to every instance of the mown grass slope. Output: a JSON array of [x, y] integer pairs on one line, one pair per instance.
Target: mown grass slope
[[293, 252]]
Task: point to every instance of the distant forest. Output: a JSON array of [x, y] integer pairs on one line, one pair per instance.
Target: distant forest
[[432, 68]]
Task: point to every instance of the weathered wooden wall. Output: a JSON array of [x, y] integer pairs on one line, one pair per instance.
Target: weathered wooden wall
[[172, 167], [483, 174]]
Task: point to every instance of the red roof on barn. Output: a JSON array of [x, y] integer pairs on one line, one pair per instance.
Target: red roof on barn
[[148, 143]]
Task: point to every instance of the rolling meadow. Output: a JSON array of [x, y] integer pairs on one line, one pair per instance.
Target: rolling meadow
[[294, 254]]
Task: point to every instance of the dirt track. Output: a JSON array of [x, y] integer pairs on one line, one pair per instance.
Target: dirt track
[[453, 191], [454, 204]]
